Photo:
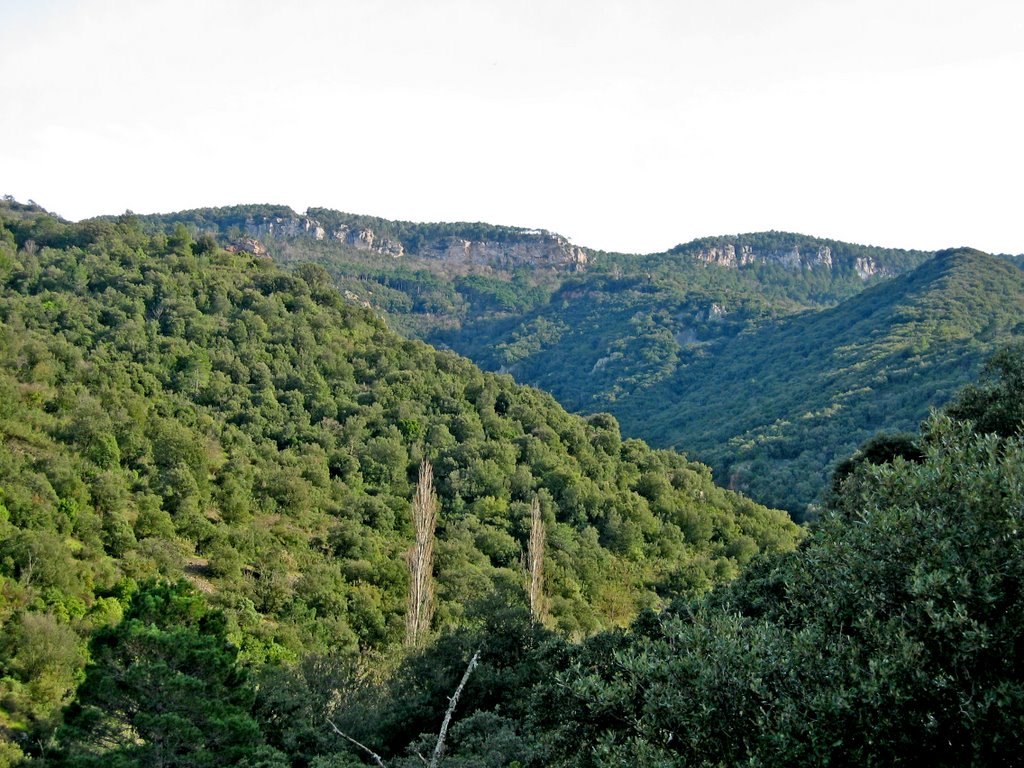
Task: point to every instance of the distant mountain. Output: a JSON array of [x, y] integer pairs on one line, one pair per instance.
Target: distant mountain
[[774, 407], [465, 245], [449, 282]]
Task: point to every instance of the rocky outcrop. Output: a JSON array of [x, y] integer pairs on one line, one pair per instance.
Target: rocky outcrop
[[865, 267], [537, 249], [795, 258], [801, 253], [725, 255], [295, 227], [534, 248], [715, 313], [248, 245], [367, 240]]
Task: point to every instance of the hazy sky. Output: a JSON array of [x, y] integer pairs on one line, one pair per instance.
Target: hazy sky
[[624, 125]]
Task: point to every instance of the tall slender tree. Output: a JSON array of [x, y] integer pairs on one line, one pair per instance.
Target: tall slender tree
[[535, 560], [421, 559]]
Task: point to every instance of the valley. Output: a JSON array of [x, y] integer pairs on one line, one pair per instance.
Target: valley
[[246, 522], [769, 356]]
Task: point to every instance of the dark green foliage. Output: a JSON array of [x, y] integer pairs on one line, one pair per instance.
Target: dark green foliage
[[996, 404], [778, 405], [163, 688], [496, 723], [890, 637], [883, 448]]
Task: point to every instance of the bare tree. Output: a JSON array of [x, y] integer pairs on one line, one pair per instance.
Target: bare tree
[[452, 702], [535, 560], [435, 758], [421, 559], [376, 758]]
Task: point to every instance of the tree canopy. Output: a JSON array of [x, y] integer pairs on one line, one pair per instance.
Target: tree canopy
[[172, 410]]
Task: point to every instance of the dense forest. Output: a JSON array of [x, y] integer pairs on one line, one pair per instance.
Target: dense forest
[[215, 501], [771, 391], [768, 356], [891, 636], [781, 404], [216, 504], [771, 370], [206, 481]]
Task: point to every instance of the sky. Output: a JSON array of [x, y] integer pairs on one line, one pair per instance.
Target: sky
[[625, 125]]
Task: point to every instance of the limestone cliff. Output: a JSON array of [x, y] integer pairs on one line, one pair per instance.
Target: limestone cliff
[[296, 227], [537, 249], [727, 255], [797, 253], [509, 249]]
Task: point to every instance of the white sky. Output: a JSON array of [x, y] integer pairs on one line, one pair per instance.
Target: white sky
[[626, 125]]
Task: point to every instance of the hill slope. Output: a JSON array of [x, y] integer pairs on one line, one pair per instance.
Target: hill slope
[[170, 408], [726, 347], [465, 284], [776, 406]]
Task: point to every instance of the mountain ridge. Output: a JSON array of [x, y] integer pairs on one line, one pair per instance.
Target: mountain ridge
[[880, 359], [619, 333], [398, 238]]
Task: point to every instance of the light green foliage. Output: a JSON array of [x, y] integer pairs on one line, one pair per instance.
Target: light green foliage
[[172, 409], [44, 659]]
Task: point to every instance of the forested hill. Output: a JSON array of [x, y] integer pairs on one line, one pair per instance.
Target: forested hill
[[779, 404], [725, 347], [464, 284], [169, 408]]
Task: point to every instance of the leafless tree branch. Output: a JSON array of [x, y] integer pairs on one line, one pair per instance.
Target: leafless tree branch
[[377, 758], [535, 560], [439, 747]]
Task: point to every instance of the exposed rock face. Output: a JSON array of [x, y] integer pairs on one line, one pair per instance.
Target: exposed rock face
[[726, 255], [865, 267], [527, 247], [536, 249], [715, 312], [293, 227], [367, 240], [248, 245], [824, 256]]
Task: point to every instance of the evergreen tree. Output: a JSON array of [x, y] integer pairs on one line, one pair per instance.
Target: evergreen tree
[[163, 689]]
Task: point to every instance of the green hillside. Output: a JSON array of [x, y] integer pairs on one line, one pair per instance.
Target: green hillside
[[173, 409], [779, 404], [891, 636], [770, 356]]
